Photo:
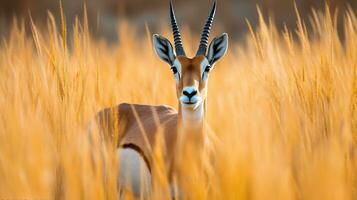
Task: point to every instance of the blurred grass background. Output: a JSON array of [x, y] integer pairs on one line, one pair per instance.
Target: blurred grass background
[[286, 121], [105, 15]]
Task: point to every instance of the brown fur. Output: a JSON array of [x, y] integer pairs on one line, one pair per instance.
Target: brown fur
[[190, 73], [137, 126]]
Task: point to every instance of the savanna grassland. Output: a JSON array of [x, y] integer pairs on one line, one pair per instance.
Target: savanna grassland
[[282, 106]]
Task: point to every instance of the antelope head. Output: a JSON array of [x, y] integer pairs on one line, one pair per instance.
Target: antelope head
[[191, 74]]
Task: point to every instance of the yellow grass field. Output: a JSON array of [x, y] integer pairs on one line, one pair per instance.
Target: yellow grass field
[[283, 109]]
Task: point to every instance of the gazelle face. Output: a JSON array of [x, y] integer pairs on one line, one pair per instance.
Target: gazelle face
[[191, 74], [191, 80]]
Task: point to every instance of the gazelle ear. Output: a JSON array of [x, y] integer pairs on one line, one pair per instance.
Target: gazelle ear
[[217, 48], [163, 49]]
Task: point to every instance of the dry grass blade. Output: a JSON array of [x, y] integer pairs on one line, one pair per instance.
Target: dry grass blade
[[284, 112]]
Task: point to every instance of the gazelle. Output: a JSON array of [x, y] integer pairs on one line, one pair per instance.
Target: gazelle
[[134, 128]]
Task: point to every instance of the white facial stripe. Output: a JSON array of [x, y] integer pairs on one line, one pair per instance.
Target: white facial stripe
[[204, 64], [177, 64]]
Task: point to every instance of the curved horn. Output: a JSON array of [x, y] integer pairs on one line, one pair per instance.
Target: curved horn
[[175, 30], [206, 30]]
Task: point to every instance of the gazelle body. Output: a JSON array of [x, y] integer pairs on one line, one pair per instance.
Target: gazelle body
[[134, 128]]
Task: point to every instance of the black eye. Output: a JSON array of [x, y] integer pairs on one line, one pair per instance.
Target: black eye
[[208, 68], [174, 70]]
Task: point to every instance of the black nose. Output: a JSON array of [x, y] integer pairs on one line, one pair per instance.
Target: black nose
[[191, 94]]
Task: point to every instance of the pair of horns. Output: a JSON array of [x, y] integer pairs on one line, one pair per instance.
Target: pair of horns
[[205, 34]]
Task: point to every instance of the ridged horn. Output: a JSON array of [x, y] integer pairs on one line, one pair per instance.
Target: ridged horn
[[206, 31], [176, 31]]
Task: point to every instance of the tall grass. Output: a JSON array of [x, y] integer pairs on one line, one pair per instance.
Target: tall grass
[[284, 110]]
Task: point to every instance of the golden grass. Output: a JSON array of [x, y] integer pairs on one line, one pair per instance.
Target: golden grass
[[284, 111]]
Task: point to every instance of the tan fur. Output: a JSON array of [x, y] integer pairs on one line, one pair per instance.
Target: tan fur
[[190, 73], [136, 126]]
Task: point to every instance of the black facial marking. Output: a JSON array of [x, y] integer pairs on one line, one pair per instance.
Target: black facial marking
[[174, 70], [208, 68]]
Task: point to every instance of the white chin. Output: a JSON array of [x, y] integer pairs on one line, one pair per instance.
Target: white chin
[[192, 105], [188, 104]]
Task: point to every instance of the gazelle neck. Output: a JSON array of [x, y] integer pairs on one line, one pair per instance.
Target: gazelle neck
[[191, 123], [191, 141], [192, 119]]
